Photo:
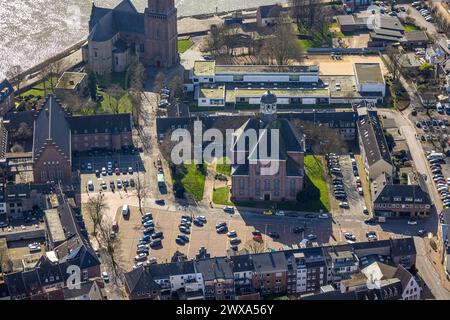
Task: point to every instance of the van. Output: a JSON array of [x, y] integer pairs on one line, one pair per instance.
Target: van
[[125, 210]]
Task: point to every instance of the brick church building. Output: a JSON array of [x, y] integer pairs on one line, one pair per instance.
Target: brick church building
[[57, 135], [116, 35], [250, 178]]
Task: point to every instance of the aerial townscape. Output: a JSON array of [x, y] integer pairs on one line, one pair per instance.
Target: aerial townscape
[[289, 151]]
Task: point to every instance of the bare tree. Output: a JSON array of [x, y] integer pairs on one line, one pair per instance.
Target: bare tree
[[322, 138], [137, 109], [96, 207], [111, 243], [254, 247], [141, 191], [394, 64], [215, 40], [282, 45], [159, 82], [15, 75], [115, 93], [55, 69], [176, 87]]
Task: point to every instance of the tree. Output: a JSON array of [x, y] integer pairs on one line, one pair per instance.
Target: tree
[[15, 75], [115, 93], [92, 86], [254, 247], [96, 206], [111, 244], [55, 69], [136, 75], [322, 139], [137, 109], [23, 132], [141, 191], [394, 62], [308, 14], [282, 45], [176, 87], [426, 69], [159, 82], [215, 40]]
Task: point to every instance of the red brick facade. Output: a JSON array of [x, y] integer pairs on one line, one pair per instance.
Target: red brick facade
[[113, 141], [52, 165]]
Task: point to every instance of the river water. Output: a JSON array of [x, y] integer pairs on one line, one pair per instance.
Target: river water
[[34, 30]]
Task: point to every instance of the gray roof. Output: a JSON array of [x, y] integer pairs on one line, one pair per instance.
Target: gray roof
[[402, 247], [388, 22], [270, 262], [420, 36], [408, 193], [105, 23], [373, 140], [51, 127], [165, 270], [140, 280], [85, 288], [102, 123], [269, 11], [15, 284], [215, 268], [242, 263]]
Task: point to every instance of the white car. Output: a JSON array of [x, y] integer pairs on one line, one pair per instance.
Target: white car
[[279, 213], [344, 205], [119, 183], [323, 216], [141, 256], [412, 222], [138, 265], [90, 185], [361, 191], [105, 276], [365, 210], [104, 171]]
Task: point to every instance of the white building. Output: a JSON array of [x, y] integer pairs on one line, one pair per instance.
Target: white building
[[219, 85]]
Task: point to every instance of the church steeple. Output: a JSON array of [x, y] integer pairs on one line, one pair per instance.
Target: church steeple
[[160, 6]]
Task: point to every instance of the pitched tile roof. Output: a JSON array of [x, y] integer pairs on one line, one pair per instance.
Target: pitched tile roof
[[103, 123], [140, 280], [270, 262], [51, 126], [15, 284], [406, 193], [215, 268], [106, 23]]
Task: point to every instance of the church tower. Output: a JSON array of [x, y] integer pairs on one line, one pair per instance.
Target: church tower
[[268, 107], [161, 36]]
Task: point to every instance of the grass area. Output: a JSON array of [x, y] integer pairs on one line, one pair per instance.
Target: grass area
[[316, 177], [117, 78], [193, 181], [410, 28], [335, 29], [316, 40], [38, 89], [223, 166], [184, 45], [221, 196]]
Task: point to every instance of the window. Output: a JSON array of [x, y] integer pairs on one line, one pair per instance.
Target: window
[[276, 187], [257, 187], [397, 199], [267, 185]]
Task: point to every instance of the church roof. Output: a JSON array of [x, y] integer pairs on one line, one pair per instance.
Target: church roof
[[105, 23], [269, 98]]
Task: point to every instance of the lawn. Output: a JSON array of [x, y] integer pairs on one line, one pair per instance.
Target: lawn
[[117, 78], [193, 181], [223, 166], [317, 40], [221, 196], [316, 179], [410, 28], [184, 45], [304, 45], [38, 89]]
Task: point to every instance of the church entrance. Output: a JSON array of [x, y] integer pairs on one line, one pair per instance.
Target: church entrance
[[267, 197]]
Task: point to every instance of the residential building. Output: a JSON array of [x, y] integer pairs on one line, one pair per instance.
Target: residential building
[[251, 179], [270, 275], [243, 269], [139, 285], [269, 15], [435, 54], [6, 97], [89, 290], [374, 148], [343, 262], [399, 200], [218, 278], [415, 39], [25, 197], [118, 34]]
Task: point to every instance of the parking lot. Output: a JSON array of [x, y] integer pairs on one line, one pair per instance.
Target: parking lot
[[217, 244], [353, 197]]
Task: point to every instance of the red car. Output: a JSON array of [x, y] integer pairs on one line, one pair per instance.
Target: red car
[[117, 171]]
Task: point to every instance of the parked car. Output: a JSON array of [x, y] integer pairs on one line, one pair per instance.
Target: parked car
[[232, 234], [274, 235], [235, 241], [298, 230], [350, 236], [155, 243], [311, 237], [344, 205], [141, 256], [105, 276], [323, 216]]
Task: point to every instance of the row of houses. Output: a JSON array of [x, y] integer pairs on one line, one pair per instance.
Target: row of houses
[[389, 200], [294, 272]]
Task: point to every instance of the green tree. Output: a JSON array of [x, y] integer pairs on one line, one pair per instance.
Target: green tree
[[92, 86]]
